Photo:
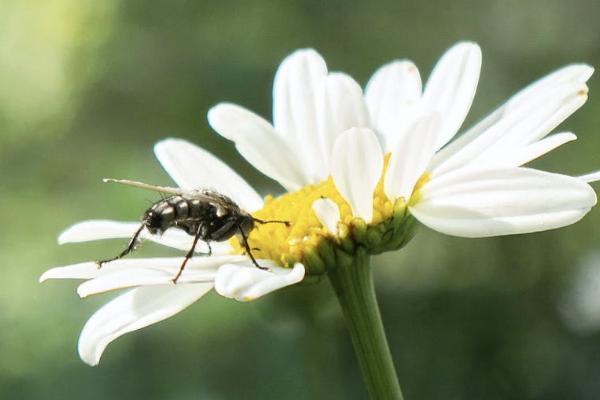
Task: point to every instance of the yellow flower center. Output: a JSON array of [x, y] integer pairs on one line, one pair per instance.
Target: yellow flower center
[[299, 241]]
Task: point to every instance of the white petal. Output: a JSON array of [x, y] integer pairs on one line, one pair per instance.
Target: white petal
[[538, 90], [86, 231], [144, 273], [90, 270], [451, 88], [392, 94], [530, 152], [461, 150], [328, 214], [356, 166], [591, 177], [297, 103], [192, 167], [344, 109], [245, 282], [523, 119], [85, 270], [142, 277], [410, 158], [256, 140], [133, 310], [494, 202], [509, 133], [529, 125]]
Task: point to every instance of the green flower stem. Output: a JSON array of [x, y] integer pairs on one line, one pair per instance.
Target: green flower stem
[[353, 285]]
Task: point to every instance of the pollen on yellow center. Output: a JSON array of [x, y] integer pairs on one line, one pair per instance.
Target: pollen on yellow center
[[289, 244]]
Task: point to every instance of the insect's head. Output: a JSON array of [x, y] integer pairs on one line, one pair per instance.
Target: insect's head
[[246, 222], [153, 221]]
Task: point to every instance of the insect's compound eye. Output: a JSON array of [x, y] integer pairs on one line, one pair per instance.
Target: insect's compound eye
[[153, 220]]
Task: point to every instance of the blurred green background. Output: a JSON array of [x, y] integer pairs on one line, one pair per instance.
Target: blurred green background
[[86, 88]]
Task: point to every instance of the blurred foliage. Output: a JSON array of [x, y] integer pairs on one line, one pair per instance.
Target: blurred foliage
[[86, 88]]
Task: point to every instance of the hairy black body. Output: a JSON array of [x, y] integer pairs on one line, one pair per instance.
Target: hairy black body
[[204, 214]]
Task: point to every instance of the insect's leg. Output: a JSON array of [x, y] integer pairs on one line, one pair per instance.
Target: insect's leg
[[189, 254], [132, 242], [209, 249], [248, 250], [274, 221]]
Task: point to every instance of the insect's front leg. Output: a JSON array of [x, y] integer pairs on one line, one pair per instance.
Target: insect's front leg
[[248, 250], [130, 247]]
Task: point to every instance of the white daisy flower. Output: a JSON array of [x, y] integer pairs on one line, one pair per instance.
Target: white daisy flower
[[476, 185], [357, 170]]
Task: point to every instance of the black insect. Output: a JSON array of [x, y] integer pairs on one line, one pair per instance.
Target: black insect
[[204, 214]]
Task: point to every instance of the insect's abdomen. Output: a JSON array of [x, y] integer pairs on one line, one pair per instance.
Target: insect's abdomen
[[163, 214], [178, 211], [178, 208], [181, 207]]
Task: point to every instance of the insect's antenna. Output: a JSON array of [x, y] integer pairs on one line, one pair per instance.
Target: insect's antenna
[[260, 221], [141, 185]]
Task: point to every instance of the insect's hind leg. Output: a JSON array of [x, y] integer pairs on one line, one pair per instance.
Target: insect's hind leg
[[190, 254], [130, 247]]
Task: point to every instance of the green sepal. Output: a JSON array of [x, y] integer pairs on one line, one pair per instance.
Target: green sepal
[[326, 251], [314, 264]]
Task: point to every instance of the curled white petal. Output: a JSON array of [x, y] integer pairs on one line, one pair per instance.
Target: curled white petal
[[245, 282], [86, 231], [356, 166], [451, 88], [410, 157], [392, 95], [192, 167], [133, 310], [258, 142], [480, 203], [328, 214]]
